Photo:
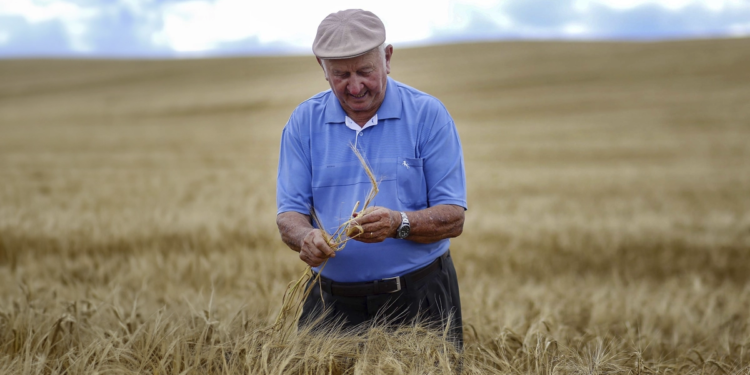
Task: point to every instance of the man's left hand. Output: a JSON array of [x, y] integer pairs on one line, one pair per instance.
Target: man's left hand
[[378, 223]]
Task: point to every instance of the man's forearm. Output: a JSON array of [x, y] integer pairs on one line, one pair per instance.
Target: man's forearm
[[435, 223], [293, 227], [427, 226]]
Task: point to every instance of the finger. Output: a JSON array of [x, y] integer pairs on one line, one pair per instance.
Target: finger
[[312, 262], [313, 252], [373, 237], [322, 246], [316, 254], [364, 237], [325, 250], [369, 210], [372, 218], [377, 227], [318, 245], [379, 236], [369, 213]]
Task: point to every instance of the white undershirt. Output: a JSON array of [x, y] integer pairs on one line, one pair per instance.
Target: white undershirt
[[358, 129]]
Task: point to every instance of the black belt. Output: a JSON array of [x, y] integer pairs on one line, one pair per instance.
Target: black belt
[[389, 285]]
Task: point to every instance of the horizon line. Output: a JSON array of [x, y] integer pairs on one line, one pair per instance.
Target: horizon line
[[280, 52]]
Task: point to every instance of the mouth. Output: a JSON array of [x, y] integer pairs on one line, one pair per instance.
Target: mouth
[[360, 96]]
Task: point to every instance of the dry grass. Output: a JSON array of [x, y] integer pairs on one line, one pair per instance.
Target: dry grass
[[608, 230]]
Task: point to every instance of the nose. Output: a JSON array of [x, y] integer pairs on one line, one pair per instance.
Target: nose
[[355, 87]]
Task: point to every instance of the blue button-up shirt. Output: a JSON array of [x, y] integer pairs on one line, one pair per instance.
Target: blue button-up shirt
[[414, 152]]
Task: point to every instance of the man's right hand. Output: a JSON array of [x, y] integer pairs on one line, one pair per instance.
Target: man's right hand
[[314, 250]]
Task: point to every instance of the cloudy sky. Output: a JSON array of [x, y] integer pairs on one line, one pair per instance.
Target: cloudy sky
[[175, 28]]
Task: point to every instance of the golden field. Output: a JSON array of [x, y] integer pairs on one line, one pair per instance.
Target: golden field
[[608, 229]]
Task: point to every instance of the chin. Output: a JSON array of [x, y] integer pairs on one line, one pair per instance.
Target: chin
[[359, 107]]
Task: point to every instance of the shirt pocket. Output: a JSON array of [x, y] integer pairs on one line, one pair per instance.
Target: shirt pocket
[[411, 185]]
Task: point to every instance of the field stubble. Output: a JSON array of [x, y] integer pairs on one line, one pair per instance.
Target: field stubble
[[608, 230]]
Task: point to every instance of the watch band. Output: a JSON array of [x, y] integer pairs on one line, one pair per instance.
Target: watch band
[[403, 229]]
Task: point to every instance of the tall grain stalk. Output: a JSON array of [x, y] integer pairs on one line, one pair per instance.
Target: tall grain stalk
[[296, 293]]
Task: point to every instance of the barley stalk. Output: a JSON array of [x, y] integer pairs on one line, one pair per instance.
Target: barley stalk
[[296, 293]]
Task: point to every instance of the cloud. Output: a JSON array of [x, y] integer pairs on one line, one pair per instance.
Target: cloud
[[539, 13], [599, 19], [40, 11], [161, 28], [126, 29], [652, 21], [43, 22], [23, 38]]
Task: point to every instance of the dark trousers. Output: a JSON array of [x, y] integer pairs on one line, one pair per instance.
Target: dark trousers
[[432, 300]]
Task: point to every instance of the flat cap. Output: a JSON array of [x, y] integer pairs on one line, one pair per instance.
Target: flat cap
[[348, 33]]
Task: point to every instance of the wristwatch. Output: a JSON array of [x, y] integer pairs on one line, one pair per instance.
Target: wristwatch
[[404, 228]]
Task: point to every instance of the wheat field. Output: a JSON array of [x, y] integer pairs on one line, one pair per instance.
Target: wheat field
[[608, 229]]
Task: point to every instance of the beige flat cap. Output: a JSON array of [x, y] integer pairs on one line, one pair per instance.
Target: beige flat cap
[[348, 33]]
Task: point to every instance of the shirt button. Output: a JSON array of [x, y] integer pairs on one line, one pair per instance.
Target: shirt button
[[360, 134]]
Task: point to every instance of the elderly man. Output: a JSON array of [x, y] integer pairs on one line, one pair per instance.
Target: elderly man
[[400, 268]]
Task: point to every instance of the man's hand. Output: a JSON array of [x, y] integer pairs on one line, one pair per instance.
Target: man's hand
[[314, 250], [298, 233], [378, 223]]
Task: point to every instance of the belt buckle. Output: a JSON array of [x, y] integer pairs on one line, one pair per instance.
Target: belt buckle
[[398, 283]]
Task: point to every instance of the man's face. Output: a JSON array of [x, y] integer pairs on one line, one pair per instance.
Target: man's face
[[359, 82]]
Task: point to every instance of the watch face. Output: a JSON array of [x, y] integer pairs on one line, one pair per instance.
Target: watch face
[[403, 232], [404, 229]]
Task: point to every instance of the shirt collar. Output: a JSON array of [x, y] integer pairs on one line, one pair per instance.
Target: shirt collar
[[354, 126], [390, 108]]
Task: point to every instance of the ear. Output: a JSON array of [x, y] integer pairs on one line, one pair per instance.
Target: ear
[[320, 62], [388, 54]]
